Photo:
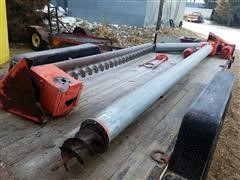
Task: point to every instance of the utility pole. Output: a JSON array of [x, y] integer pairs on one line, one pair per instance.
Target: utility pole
[[159, 19]]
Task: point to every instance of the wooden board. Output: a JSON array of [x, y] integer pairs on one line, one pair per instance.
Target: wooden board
[[29, 150]]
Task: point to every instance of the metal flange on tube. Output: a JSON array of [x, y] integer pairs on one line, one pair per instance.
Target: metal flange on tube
[[96, 134]]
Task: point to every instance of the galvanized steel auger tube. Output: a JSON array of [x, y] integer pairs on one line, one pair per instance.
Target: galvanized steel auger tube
[[176, 47], [96, 134]]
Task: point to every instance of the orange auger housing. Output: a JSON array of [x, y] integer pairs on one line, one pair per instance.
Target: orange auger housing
[[35, 92], [220, 46]]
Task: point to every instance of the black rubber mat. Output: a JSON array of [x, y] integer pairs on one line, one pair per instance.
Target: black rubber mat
[[200, 128]]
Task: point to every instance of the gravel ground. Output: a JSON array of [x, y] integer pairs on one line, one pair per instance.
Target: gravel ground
[[123, 35]]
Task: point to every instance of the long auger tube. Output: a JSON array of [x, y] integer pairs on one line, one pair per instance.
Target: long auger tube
[[70, 65], [91, 69], [96, 134], [176, 47]]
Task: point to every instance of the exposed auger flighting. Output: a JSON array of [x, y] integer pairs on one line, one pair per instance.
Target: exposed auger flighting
[[45, 89], [97, 63], [96, 134]]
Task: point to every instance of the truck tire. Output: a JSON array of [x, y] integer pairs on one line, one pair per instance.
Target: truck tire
[[36, 41]]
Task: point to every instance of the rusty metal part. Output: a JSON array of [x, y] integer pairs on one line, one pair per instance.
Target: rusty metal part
[[91, 138], [18, 93], [80, 62], [69, 39], [160, 156], [82, 30], [59, 39], [29, 92]]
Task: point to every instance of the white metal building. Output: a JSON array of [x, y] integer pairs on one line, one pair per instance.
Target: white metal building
[[131, 12], [172, 9]]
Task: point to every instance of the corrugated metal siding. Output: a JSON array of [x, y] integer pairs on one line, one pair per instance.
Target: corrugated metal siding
[[131, 12], [172, 9]]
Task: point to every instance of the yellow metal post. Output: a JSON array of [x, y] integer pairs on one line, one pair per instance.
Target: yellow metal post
[[4, 48]]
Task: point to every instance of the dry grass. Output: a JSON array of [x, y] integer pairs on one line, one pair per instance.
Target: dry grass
[[125, 36], [178, 32]]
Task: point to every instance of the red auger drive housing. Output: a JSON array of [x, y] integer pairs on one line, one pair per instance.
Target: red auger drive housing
[[220, 46], [35, 92], [59, 92]]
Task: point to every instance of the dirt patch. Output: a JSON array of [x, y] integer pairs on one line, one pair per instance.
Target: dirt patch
[[226, 160], [19, 49]]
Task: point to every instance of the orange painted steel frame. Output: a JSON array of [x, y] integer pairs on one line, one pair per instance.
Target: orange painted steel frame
[[58, 41], [59, 92], [34, 92], [220, 46], [17, 93]]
